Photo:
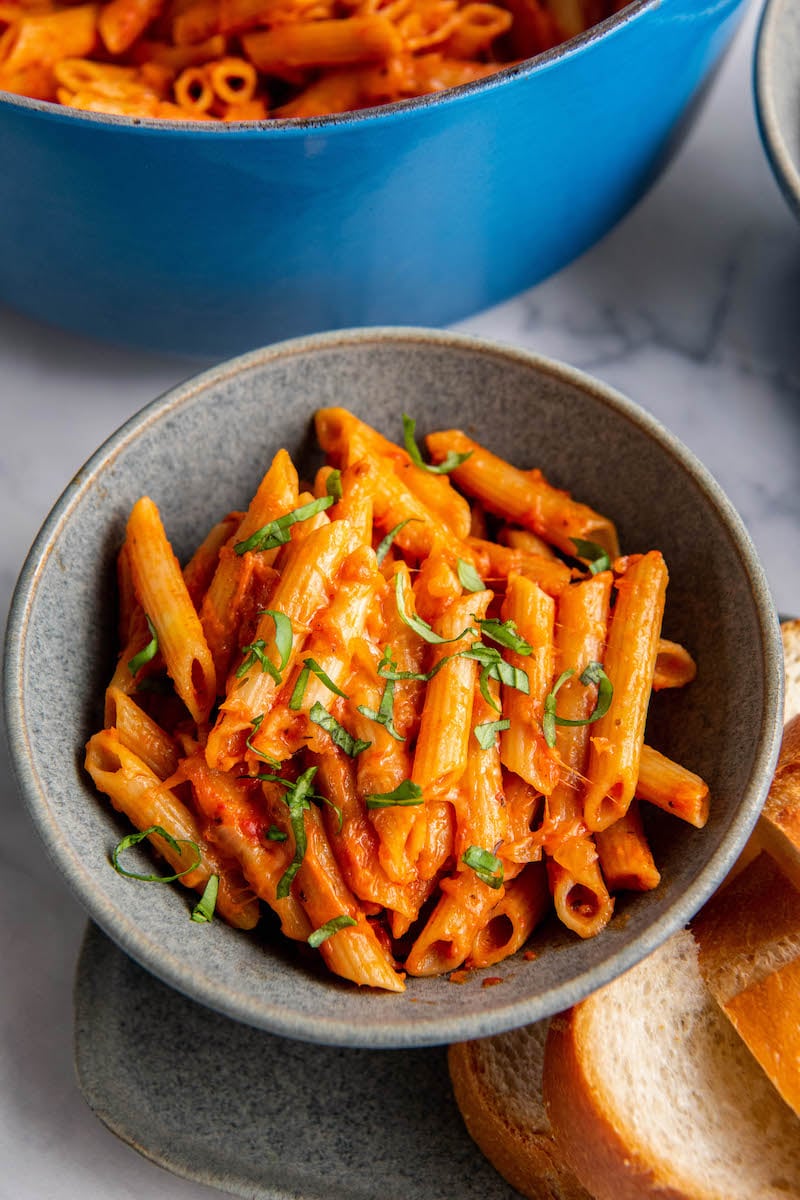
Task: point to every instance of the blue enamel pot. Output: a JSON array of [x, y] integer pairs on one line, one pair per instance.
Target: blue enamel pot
[[210, 240]]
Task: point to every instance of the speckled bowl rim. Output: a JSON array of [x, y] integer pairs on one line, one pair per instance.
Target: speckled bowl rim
[[396, 1033], [772, 138], [396, 110]]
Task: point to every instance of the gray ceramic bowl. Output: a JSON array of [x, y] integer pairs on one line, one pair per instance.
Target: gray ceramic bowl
[[200, 451], [777, 92]]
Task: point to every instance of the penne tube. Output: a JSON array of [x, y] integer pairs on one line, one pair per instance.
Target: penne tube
[[674, 667], [346, 438], [177, 58], [523, 539], [135, 791], [220, 614], [580, 894], [165, 599], [309, 575], [625, 856], [354, 952], [140, 734], [322, 43], [239, 823], [616, 740], [40, 40], [441, 754], [513, 918], [522, 746], [355, 845], [121, 22], [477, 26], [498, 562], [233, 79], [202, 566], [672, 787], [193, 90], [450, 931], [481, 813], [524, 497]]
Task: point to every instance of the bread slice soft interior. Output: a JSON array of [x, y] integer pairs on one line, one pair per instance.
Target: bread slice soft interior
[[651, 1093], [790, 633], [497, 1083]]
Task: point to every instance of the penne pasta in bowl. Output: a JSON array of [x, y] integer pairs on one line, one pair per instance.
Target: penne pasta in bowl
[[422, 679]]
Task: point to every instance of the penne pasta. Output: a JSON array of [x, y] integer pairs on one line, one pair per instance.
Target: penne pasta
[[426, 740]]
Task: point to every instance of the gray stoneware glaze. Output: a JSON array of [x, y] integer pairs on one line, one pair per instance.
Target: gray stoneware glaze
[[777, 90], [200, 451], [261, 1116]]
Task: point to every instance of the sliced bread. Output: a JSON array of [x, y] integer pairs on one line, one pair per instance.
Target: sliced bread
[[790, 633], [497, 1083], [651, 1093]]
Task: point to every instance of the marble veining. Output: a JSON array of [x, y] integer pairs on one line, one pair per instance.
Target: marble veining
[[691, 306]]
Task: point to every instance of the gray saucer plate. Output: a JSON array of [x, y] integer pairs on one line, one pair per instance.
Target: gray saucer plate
[[255, 1115]]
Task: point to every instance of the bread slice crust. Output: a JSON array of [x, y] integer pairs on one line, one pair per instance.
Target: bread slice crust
[[511, 1129]]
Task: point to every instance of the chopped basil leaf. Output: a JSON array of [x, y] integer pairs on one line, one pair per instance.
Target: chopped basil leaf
[[333, 484], [487, 733], [385, 544], [329, 928], [494, 666], [149, 652], [468, 577], [387, 665], [297, 800], [276, 533], [404, 795], [204, 909], [505, 634], [486, 866], [593, 673], [385, 713], [416, 623], [449, 464], [339, 735], [256, 652], [309, 665], [599, 558], [283, 635], [256, 723], [133, 839], [276, 835]]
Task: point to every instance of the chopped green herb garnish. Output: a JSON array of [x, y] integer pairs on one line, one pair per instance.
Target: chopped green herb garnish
[[487, 733], [299, 689], [276, 835], [298, 800], [339, 735], [329, 928], [449, 464], [256, 723], [276, 533], [385, 712], [385, 545], [254, 653], [405, 795], [598, 556], [486, 866], [416, 623], [283, 635], [133, 839], [593, 673], [204, 909], [149, 652], [333, 484], [494, 666], [468, 577], [505, 634]]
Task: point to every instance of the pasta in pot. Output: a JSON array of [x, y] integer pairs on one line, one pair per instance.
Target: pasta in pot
[[412, 743], [249, 60]]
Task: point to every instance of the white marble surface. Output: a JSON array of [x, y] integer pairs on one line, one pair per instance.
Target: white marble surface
[[691, 307]]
